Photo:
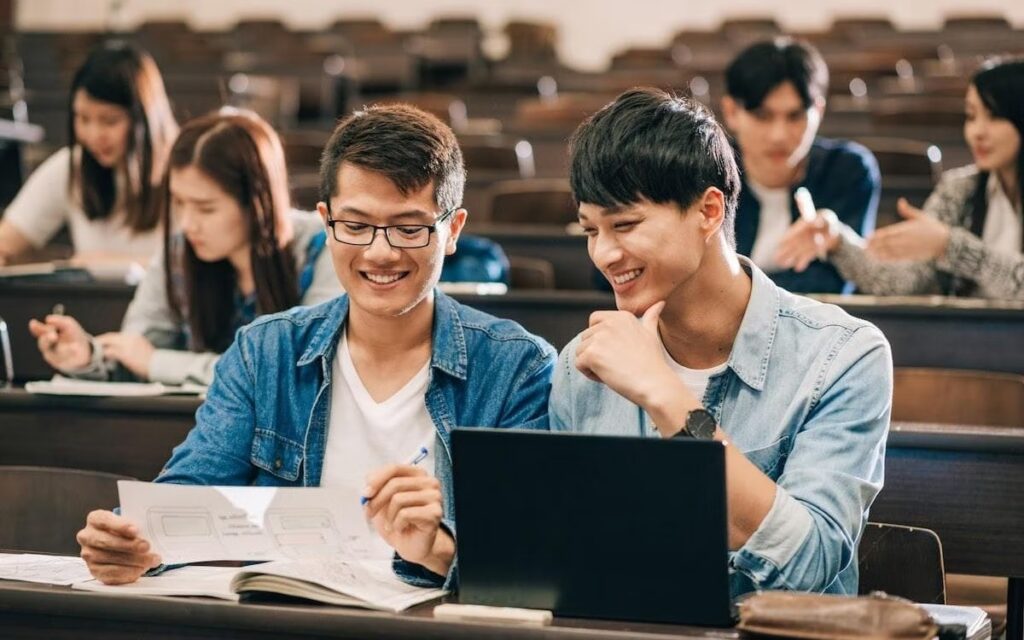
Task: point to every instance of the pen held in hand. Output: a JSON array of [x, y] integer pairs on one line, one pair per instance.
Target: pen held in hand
[[805, 205], [420, 456], [57, 310]]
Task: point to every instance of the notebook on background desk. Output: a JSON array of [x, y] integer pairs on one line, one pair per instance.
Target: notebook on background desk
[[592, 526]]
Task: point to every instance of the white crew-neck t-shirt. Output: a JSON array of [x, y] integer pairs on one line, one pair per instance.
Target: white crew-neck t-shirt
[[696, 380], [364, 435], [776, 218]]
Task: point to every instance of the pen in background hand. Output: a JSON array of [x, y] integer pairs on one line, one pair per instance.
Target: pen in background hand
[[805, 205], [58, 310]]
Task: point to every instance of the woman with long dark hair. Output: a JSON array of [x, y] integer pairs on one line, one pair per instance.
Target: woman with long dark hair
[[105, 183], [969, 238], [233, 250]]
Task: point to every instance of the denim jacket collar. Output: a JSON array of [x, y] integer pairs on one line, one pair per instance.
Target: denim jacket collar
[[449, 339], [752, 348]]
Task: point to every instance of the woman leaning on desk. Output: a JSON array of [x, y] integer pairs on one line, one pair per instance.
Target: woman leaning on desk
[[968, 239], [105, 183], [237, 251]]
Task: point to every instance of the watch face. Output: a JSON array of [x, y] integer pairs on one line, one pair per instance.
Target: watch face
[[700, 424]]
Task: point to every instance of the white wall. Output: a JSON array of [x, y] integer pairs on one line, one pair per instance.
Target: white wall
[[590, 31]]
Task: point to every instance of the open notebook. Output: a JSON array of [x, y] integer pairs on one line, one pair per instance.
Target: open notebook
[[358, 583]]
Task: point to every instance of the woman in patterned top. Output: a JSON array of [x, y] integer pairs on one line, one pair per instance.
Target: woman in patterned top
[[968, 238], [239, 251]]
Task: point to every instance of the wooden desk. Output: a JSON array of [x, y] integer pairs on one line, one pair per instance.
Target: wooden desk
[[952, 333], [42, 611], [128, 436], [964, 483]]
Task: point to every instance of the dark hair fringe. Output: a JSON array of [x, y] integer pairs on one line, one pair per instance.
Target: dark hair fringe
[[763, 66], [409, 146], [650, 145]]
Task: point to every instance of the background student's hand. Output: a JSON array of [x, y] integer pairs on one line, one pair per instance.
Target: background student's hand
[[62, 341], [804, 242], [918, 237], [133, 351], [625, 353], [405, 508], [113, 549]]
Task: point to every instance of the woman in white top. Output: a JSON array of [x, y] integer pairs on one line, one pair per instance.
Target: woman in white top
[[104, 183], [969, 237], [241, 251]]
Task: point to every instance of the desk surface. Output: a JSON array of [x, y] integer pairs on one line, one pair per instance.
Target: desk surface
[[43, 611]]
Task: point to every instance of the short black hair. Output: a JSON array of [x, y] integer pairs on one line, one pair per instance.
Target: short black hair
[[763, 66], [652, 145], [409, 146]]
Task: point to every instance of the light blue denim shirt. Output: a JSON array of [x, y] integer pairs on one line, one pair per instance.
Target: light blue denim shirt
[[266, 414], [806, 396]]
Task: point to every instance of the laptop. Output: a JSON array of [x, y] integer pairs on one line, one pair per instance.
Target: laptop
[[98, 307], [592, 526]]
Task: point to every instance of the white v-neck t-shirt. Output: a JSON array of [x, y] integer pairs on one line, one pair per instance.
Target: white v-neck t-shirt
[[364, 435]]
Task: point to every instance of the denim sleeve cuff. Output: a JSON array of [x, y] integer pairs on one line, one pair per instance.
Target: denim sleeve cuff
[[420, 576], [774, 544]]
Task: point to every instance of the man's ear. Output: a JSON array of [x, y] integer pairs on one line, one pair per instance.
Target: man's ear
[[321, 208], [457, 222], [712, 211], [730, 112]]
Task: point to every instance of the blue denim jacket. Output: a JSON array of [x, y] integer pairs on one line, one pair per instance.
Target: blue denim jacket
[[266, 414], [806, 396]]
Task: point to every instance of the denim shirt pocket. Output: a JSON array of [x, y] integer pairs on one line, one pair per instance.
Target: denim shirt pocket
[[277, 455], [770, 458]]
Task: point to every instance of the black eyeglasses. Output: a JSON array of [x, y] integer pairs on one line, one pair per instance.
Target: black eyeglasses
[[399, 236]]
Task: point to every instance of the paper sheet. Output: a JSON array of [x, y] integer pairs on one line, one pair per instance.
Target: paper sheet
[[62, 386], [213, 582], [199, 524], [29, 567]]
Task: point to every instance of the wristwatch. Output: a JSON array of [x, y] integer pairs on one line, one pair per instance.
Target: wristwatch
[[700, 425]]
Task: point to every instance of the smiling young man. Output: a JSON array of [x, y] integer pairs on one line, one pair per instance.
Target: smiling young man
[[774, 105], [342, 393], [705, 345]]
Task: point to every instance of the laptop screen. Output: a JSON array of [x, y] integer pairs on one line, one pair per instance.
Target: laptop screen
[[592, 526]]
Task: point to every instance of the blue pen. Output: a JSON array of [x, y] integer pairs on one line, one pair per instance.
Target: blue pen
[[420, 456]]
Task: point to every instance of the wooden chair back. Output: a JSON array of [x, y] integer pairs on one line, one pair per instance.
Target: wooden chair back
[[902, 561], [949, 396], [44, 507]]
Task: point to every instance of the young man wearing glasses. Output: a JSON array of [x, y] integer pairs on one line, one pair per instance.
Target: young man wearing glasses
[[342, 393]]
